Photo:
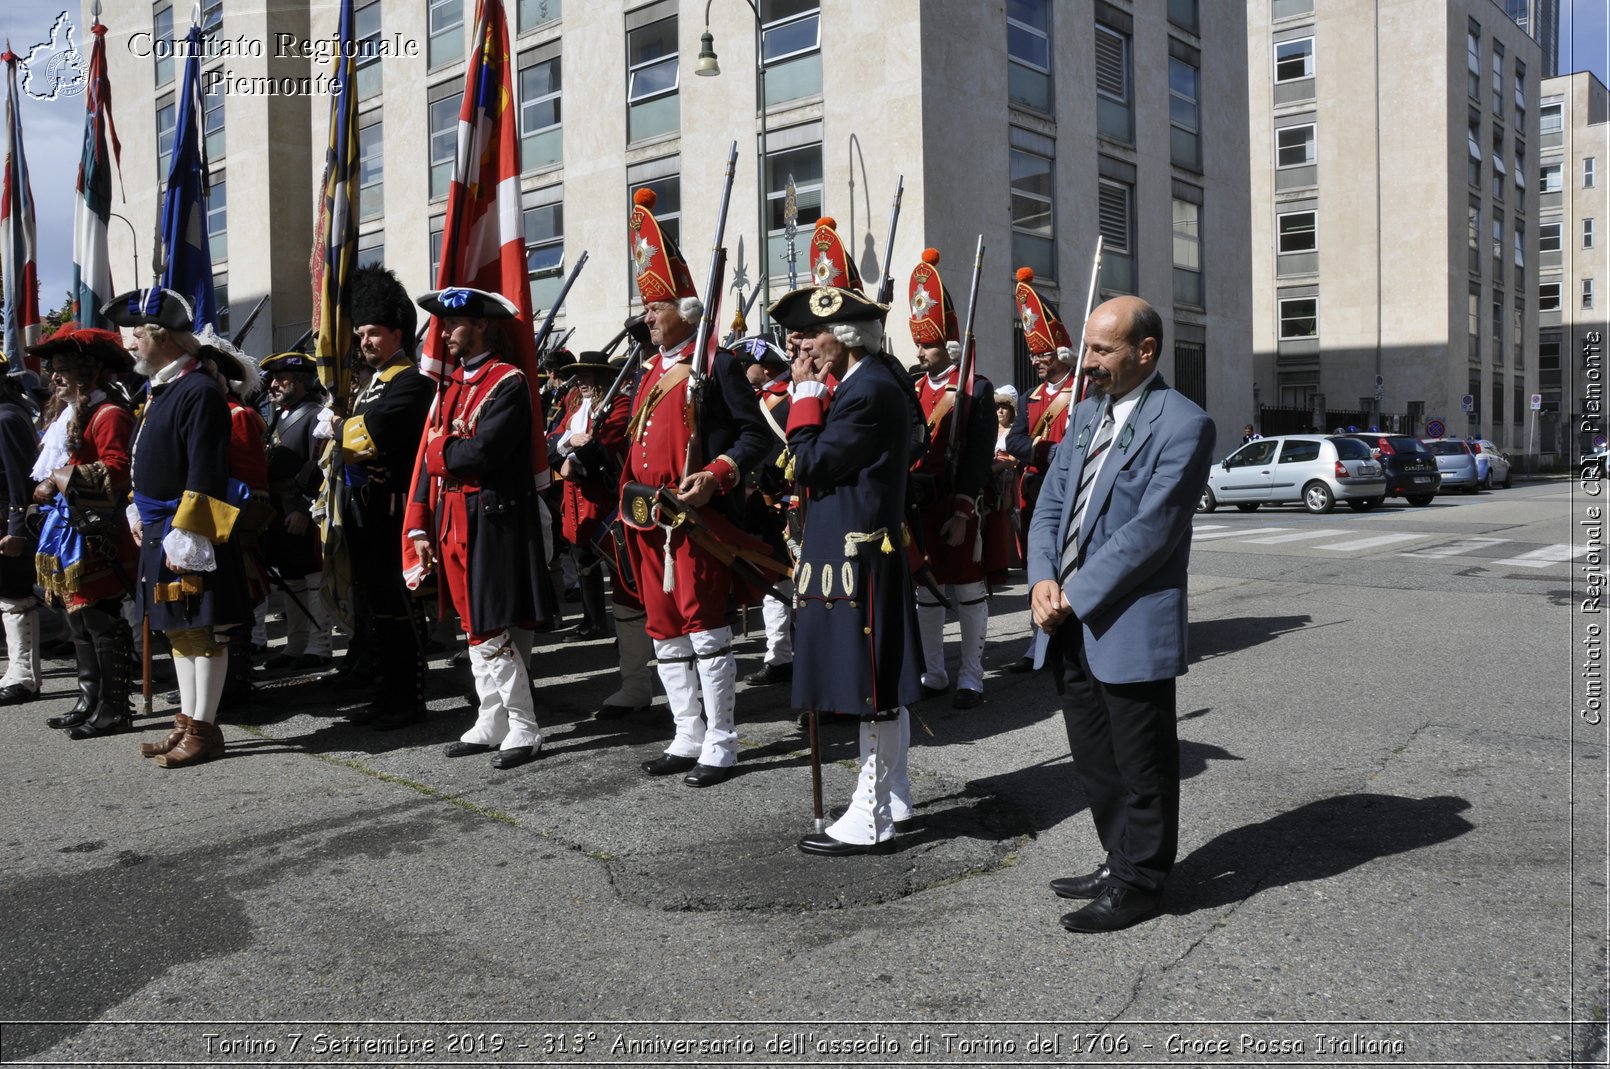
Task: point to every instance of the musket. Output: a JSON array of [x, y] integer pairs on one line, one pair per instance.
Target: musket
[[700, 361], [240, 335], [680, 514], [634, 361], [791, 228], [961, 410], [886, 284], [1090, 300], [558, 302]]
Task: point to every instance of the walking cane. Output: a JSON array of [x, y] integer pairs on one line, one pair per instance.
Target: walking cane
[[816, 774], [145, 664]]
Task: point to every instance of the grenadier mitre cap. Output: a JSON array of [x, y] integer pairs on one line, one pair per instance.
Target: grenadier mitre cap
[[150, 307], [1042, 329], [933, 313], [818, 306], [467, 303], [662, 273], [104, 345], [831, 262]]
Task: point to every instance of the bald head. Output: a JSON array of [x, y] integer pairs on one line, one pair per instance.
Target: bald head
[[1121, 343]]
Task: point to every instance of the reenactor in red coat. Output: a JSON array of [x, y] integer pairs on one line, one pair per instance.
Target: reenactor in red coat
[[948, 484], [591, 446], [701, 446]]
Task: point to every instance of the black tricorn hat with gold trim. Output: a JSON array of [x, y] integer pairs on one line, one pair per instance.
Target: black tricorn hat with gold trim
[[818, 306]]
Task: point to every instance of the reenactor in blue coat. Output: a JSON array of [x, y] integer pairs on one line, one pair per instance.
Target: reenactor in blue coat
[[192, 585], [855, 651]]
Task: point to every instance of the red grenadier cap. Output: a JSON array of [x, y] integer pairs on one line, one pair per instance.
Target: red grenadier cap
[[1042, 329], [933, 313], [662, 273], [831, 262]]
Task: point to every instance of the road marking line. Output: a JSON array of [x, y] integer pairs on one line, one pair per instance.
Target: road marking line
[[1237, 532], [1371, 543], [1559, 553], [1211, 526], [1455, 549], [1298, 537]]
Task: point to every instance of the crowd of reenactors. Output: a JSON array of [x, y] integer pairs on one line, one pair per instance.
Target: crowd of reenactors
[[162, 485]]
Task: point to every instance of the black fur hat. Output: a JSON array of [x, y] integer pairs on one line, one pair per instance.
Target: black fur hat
[[377, 297]]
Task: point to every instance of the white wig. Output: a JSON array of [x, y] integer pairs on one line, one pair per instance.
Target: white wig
[[863, 334], [1065, 355], [954, 348], [691, 309]]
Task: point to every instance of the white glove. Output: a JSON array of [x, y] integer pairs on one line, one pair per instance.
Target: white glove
[[326, 423]]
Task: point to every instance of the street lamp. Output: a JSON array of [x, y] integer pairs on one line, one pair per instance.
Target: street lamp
[[708, 66]]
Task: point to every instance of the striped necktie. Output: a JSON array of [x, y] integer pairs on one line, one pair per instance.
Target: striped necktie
[[1087, 479]]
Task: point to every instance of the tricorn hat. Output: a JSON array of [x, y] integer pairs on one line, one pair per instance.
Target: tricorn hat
[[378, 298], [831, 262], [104, 345], [468, 303], [933, 313], [597, 363], [815, 306], [759, 349], [279, 363], [1042, 330], [150, 307], [662, 273]]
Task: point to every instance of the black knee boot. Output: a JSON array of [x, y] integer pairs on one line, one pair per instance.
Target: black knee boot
[[400, 697], [89, 672], [112, 713]]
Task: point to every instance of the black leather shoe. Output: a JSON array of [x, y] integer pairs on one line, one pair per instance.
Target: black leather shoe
[[707, 775], [586, 633], [399, 717], [16, 694], [1087, 886], [1021, 665], [901, 827], [669, 765], [769, 675], [515, 756], [824, 844], [464, 749], [618, 712], [67, 720], [933, 692], [967, 699], [1117, 908]]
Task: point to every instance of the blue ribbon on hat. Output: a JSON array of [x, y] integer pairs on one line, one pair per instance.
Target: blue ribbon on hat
[[454, 298]]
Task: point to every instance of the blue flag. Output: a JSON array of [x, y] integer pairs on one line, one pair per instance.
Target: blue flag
[[184, 210]]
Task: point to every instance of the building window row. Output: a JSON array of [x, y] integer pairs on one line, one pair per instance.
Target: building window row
[[1028, 54]]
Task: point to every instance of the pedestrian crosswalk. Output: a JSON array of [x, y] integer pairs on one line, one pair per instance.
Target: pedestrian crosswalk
[[1492, 552]]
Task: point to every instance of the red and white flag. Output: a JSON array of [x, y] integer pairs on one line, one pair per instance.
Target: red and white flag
[[17, 246]]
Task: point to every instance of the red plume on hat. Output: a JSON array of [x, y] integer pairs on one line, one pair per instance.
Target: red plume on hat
[[662, 273], [831, 263], [1042, 329], [933, 313]]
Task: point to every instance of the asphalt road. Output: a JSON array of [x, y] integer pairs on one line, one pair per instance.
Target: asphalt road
[[1393, 853]]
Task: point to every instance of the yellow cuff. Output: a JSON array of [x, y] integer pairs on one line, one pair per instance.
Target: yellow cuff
[[356, 442], [205, 516]]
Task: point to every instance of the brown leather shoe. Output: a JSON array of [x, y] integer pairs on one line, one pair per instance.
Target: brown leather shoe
[[202, 741], [181, 724]]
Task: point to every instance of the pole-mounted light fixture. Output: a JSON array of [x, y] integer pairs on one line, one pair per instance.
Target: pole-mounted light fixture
[[707, 66]]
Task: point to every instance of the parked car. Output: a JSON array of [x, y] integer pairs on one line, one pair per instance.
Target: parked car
[[1411, 470], [1593, 464], [1492, 466], [1456, 460], [1314, 469]]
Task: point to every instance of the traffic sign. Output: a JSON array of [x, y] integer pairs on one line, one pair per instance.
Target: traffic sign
[[1537, 402], [1435, 428], [1468, 403]]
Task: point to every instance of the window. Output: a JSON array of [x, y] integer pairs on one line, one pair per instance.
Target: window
[[437, 224], [1296, 232], [212, 118], [1294, 146], [1548, 237], [1587, 293], [1587, 233], [652, 106], [1587, 172], [1473, 318], [1190, 370], [1520, 248], [371, 172], [1033, 215], [1549, 178], [1474, 234], [366, 28], [1299, 318], [1517, 403], [162, 44], [1285, 9], [442, 115], [1473, 147], [1520, 94], [212, 16], [217, 224], [1498, 400], [1550, 116], [1116, 214], [1520, 177], [1184, 14], [1498, 328], [668, 201], [1498, 78], [1294, 60], [444, 21], [545, 248], [1548, 296], [372, 248], [1028, 53], [534, 13], [803, 161], [1498, 244], [1187, 253], [1114, 117], [1299, 452], [166, 120], [791, 35], [541, 137], [220, 294], [1473, 60], [1185, 146]]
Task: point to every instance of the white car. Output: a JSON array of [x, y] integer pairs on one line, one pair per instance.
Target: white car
[[1315, 470], [1492, 466]]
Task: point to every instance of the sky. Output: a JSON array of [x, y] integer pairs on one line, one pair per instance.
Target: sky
[[53, 132]]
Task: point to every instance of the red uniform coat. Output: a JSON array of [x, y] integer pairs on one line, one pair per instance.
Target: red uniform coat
[[938, 497], [1041, 423], [104, 460], [590, 497]]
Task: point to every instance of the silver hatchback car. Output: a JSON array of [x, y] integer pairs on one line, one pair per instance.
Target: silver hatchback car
[[1456, 460], [1316, 470]]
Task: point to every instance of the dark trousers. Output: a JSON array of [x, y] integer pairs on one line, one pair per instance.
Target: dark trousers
[[1126, 749]]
